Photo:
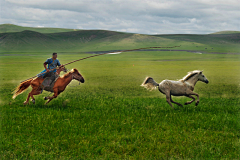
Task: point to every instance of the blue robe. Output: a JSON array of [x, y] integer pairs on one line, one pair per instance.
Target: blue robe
[[51, 65]]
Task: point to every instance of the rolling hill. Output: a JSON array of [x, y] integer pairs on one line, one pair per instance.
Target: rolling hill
[[7, 28], [226, 32], [18, 39]]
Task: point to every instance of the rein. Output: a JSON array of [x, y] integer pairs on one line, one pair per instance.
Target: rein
[[96, 56]]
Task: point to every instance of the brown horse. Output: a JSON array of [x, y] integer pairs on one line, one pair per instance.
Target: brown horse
[[59, 86]]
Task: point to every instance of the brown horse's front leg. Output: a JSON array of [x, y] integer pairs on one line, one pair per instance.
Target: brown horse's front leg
[[54, 96]]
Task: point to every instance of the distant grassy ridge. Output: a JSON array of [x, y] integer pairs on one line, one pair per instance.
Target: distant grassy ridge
[[7, 28], [226, 32], [26, 39]]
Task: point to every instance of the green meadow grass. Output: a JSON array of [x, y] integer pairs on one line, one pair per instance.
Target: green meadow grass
[[111, 117]]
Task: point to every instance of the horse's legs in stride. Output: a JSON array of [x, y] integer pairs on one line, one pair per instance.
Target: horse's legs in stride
[[33, 92], [192, 93], [54, 96], [168, 97], [175, 102], [189, 96], [27, 100]]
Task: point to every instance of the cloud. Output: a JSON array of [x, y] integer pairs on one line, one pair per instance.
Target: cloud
[[138, 16]]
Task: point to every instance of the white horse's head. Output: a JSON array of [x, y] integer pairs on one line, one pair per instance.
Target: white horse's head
[[202, 78], [196, 75]]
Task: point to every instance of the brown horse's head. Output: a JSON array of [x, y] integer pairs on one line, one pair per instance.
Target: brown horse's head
[[77, 75]]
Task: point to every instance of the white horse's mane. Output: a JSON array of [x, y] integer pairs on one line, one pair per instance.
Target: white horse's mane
[[190, 74]]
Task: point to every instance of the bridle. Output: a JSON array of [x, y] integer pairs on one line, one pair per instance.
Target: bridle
[[74, 76]]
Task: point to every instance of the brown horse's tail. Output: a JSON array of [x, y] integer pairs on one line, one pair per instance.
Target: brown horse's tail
[[21, 88]]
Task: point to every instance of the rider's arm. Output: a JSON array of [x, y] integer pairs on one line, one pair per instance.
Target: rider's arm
[[45, 66], [58, 63]]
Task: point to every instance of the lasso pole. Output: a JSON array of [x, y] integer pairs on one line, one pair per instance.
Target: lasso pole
[[95, 56]]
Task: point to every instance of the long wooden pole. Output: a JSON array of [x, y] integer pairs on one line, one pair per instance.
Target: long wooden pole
[[96, 56]]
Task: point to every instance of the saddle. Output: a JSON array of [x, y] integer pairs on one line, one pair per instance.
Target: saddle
[[49, 81]]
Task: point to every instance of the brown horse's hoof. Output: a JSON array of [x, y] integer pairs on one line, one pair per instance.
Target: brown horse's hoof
[[33, 101], [45, 98], [196, 103], [25, 103]]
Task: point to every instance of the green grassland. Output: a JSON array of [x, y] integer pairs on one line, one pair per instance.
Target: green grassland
[[111, 116]]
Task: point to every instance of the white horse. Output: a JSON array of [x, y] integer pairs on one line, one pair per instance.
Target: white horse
[[183, 87]]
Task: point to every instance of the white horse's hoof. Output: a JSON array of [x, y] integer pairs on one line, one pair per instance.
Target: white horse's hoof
[[45, 98]]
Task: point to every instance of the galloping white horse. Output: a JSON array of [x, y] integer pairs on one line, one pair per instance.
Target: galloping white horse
[[183, 87]]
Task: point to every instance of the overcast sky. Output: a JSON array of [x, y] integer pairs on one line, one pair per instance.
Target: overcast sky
[[135, 16]]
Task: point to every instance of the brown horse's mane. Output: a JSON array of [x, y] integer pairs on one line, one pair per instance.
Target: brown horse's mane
[[189, 75], [66, 75]]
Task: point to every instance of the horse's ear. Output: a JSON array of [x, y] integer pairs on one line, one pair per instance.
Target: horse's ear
[[75, 70], [201, 71]]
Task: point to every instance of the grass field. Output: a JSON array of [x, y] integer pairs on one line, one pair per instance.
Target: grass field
[[111, 117]]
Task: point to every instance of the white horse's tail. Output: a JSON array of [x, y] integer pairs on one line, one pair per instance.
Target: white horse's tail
[[149, 83]]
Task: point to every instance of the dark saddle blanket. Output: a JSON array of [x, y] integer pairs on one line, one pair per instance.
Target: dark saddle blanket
[[49, 81]]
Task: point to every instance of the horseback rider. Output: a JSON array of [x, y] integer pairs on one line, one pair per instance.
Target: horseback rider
[[50, 76]]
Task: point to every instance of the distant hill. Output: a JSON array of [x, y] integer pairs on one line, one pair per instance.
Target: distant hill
[[34, 41], [226, 32], [220, 39], [6, 28], [63, 40]]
